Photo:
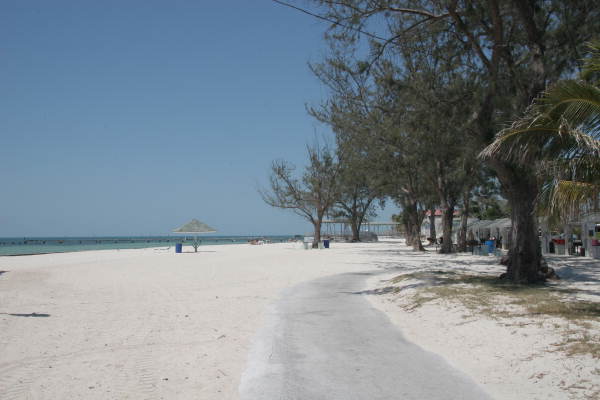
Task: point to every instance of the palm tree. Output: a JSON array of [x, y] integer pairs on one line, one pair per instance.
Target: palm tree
[[561, 133], [559, 136]]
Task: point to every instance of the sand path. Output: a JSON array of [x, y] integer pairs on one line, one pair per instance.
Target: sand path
[[324, 341]]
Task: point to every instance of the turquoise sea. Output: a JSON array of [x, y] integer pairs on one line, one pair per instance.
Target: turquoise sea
[[43, 245]]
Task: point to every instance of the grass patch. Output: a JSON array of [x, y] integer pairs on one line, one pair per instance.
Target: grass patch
[[422, 275], [498, 299], [581, 343]]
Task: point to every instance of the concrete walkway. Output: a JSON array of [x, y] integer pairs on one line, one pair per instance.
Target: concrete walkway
[[323, 341]]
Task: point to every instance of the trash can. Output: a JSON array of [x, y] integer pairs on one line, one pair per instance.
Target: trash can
[[582, 251], [306, 245], [326, 243], [178, 247], [489, 244]]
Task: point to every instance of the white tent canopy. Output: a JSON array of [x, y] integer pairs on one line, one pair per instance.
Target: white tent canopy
[[479, 228], [499, 225]]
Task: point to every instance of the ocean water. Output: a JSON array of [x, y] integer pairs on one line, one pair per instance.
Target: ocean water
[[40, 245]]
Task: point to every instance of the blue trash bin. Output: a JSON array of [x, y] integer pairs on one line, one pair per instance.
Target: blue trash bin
[[490, 246], [326, 243], [178, 247]]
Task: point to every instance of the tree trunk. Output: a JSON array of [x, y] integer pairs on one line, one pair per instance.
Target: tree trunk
[[447, 218], [520, 187], [355, 230], [414, 225], [464, 219], [432, 232], [407, 230], [545, 235], [417, 245], [317, 234]]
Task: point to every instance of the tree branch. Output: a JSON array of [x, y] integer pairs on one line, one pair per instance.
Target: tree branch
[[332, 21]]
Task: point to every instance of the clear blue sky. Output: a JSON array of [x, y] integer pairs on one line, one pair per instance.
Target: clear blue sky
[[131, 117]]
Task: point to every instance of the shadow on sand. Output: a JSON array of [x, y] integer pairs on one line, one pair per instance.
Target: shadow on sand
[[36, 315], [579, 275]]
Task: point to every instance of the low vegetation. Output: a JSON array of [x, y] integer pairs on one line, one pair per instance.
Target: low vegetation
[[509, 303]]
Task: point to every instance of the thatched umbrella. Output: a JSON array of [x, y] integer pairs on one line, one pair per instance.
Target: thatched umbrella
[[194, 227]]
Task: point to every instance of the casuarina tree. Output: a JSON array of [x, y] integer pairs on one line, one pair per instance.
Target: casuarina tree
[[310, 195], [513, 50]]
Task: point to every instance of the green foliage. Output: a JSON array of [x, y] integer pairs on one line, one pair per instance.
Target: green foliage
[[560, 135], [427, 84], [491, 208], [312, 194]]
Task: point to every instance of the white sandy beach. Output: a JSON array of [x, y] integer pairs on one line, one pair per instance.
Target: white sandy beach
[[513, 355], [143, 323], [154, 324]]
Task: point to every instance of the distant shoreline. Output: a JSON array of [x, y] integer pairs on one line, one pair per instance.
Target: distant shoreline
[[50, 245]]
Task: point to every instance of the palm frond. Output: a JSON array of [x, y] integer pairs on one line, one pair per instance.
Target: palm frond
[[559, 135], [566, 197], [574, 101], [591, 66], [563, 122], [582, 169], [530, 139]]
